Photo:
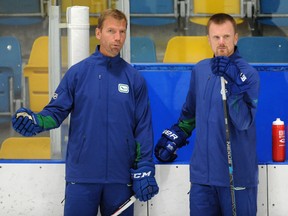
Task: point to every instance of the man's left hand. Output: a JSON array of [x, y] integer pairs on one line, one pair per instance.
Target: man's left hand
[[144, 182]]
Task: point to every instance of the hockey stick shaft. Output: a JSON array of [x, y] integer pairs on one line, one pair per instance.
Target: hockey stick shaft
[[125, 205], [228, 145]]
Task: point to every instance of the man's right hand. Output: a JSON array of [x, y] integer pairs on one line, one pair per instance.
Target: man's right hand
[[170, 141], [165, 150], [25, 122], [237, 82]]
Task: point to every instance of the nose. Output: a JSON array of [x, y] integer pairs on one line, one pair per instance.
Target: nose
[[117, 35], [221, 40]]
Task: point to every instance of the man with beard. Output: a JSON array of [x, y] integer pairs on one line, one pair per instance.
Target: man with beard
[[212, 193]]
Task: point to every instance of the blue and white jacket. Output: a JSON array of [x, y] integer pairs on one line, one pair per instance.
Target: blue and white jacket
[[110, 124], [204, 108]]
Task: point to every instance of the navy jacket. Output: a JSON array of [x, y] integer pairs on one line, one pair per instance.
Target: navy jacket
[[110, 124], [204, 104]]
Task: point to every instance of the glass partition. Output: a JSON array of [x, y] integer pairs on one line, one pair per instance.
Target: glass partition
[[153, 23]]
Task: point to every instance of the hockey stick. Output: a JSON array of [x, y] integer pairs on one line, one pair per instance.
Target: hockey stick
[[228, 145], [125, 205]]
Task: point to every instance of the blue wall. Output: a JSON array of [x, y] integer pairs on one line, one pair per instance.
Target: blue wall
[[168, 85]]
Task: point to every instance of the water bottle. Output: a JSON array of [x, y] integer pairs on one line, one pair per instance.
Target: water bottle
[[278, 141]]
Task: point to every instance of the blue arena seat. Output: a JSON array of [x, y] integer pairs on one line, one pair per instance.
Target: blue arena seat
[[272, 12], [142, 50], [21, 12], [264, 49], [152, 12], [10, 74]]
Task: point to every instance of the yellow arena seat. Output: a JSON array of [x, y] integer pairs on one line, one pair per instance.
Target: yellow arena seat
[[36, 73], [26, 148], [203, 9], [36, 70], [187, 49], [95, 7]]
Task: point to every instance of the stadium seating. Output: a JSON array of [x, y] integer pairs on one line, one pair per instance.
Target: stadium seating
[[10, 74], [22, 12], [26, 148], [95, 7], [272, 12], [189, 49], [142, 50], [267, 49], [153, 12], [36, 71], [203, 9]]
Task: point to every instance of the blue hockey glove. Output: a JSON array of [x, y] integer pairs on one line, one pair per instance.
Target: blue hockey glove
[[144, 182], [170, 141], [25, 122], [236, 80]]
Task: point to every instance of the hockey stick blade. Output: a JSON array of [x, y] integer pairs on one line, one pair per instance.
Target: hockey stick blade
[[125, 205]]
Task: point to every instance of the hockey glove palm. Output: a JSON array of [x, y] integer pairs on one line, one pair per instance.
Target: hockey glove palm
[[144, 182], [237, 81], [170, 141], [25, 122]]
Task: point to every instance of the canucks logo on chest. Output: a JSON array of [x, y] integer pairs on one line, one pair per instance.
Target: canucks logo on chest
[[123, 88]]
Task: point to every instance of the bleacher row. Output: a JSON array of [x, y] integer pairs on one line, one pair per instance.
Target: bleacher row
[[155, 12], [180, 49], [15, 81]]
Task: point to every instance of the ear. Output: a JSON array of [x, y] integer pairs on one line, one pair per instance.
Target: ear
[[235, 39], [98, 33]]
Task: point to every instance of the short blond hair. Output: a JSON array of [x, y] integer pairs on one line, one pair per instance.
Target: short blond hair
[[221, 18], [116, 14]]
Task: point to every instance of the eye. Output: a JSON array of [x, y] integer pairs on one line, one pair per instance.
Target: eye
[[123, 32], [110, 31], [226, 36]]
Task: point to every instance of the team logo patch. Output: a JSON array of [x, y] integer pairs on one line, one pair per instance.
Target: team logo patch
[[123, 88]]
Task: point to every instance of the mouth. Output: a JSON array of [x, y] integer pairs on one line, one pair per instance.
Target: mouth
[[116, 46], [222, 48]]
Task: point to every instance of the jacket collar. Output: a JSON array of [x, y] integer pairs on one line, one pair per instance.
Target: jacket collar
[[235, 55], [102, 59]]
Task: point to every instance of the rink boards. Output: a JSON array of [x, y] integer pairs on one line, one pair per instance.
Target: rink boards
[[37, 187]]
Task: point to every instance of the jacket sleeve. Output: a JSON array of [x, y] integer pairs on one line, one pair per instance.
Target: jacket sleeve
[[60, 104], [242, 107], [187, 119], [143, 132]]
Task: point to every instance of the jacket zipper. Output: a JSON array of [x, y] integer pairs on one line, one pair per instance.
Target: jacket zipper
[[107, 107], [99, 78]]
